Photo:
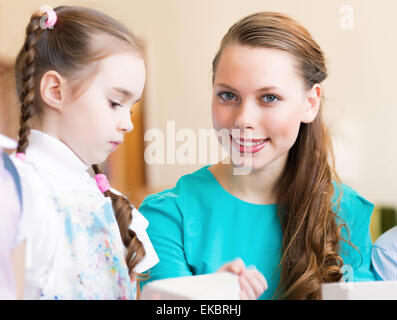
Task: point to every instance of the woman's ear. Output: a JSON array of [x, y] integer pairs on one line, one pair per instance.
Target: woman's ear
[[52, 89], [312, 103]]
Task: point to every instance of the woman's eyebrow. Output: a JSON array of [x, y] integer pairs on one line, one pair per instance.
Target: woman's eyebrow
[[269, 88], [266, 88], [226, 86]]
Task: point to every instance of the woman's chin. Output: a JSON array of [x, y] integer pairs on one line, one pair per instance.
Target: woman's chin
[[248, 163], [245, 165]]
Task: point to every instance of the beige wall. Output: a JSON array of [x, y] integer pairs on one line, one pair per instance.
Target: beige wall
[[182, 36]]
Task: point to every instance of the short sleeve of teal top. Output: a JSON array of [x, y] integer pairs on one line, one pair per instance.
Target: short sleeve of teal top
[[198, 226]]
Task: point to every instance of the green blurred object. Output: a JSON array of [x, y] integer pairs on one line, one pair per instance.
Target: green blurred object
[[383, 218], [388, 218]]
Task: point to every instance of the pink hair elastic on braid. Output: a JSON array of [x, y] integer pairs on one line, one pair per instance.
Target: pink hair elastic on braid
[[51, 18], [21, 156], [102, 182]]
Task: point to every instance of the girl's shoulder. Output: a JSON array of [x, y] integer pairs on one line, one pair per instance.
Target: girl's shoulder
[[32, 184], [25, 169]]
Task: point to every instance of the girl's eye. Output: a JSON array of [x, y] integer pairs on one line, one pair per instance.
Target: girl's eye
[[114, 104], [227, 96], [270, 98]]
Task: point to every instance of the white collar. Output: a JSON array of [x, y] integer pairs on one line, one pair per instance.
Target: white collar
[[52, 155]]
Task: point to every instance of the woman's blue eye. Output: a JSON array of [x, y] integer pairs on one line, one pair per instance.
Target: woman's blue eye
[[228, 96], [270, 98]]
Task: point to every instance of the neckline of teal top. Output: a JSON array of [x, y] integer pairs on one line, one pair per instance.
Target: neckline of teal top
[[231, 196]]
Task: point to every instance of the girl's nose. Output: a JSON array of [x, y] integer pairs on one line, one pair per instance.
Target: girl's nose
[[126, 124]]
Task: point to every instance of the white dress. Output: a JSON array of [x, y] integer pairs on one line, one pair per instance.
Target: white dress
[[74, 248]]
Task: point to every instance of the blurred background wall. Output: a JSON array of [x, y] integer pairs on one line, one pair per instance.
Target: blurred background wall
[[181, 38]]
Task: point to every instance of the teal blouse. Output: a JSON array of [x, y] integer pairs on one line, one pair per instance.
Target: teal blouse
[[197, 226]]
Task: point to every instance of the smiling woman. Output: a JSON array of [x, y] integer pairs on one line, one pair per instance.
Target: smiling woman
[[265, 98], [288, 216]]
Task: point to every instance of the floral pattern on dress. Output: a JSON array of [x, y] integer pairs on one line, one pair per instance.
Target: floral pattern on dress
[[89, 262]]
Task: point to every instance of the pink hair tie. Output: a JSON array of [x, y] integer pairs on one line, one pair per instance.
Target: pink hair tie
[[21, 156], [102, 182], [51, 18]]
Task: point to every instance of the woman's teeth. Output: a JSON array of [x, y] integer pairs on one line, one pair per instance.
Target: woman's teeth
[[249, 143]]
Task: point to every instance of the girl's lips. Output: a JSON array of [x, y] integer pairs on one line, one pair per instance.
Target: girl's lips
[[249, 145], [115, 144]]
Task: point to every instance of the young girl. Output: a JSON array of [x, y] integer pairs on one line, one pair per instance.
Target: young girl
[[77, 75], [287, 216], [13, 228]]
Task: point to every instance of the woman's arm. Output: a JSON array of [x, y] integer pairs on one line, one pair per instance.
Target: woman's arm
[[166, 233]]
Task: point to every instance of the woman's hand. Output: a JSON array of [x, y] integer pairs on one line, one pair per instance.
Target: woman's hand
[[252, 282]]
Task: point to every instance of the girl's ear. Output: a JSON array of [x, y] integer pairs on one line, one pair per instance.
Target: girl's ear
[[52, 89], [312, 103]]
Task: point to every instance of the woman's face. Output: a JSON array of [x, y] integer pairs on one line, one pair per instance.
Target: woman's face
[[260, 99]]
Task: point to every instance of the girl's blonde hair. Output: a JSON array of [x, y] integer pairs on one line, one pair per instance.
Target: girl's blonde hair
[[71, 49]]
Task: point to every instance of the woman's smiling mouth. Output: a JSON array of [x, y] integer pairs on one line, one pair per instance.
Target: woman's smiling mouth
[[244, 145]]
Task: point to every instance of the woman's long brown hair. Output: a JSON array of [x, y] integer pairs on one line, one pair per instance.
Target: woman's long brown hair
[[311, 234], [78, 40]]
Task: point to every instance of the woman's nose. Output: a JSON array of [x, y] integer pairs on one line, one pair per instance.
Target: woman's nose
[[247, 116]]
